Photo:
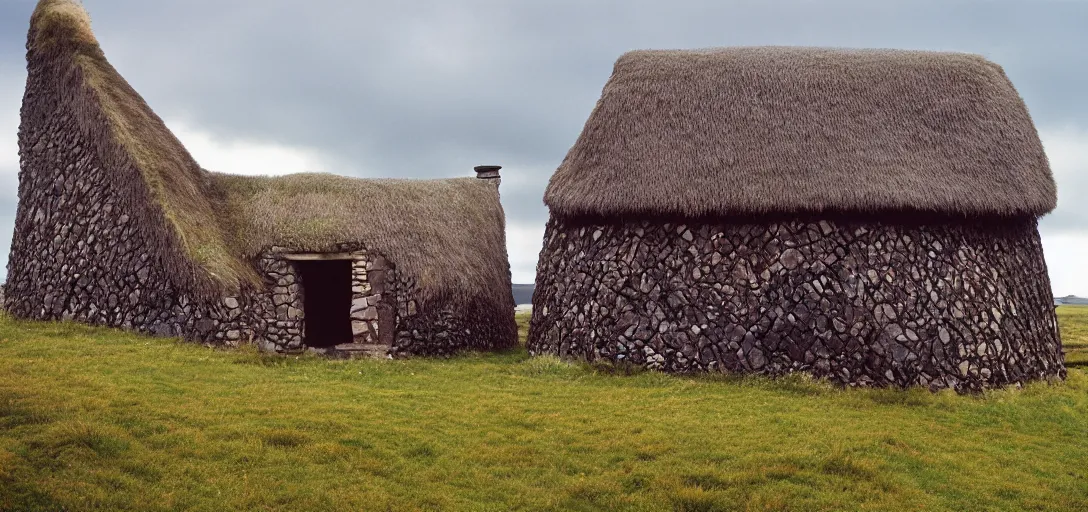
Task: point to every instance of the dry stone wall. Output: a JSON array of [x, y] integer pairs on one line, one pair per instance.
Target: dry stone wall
[[873, 303], [277, 312], [370, 277], [444, 326]]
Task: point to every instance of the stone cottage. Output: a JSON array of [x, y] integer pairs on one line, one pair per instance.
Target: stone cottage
[[117, 225], [868, 216]]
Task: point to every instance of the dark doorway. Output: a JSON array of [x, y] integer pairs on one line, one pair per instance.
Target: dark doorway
[[326, 290]]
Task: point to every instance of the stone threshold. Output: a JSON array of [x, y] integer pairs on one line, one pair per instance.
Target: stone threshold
[[354, 350]]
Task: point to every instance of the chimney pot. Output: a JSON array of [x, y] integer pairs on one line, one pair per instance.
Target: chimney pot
[[487, 172]]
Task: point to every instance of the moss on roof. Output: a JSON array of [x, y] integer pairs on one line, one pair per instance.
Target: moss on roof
[[61, 36], [448, 234]]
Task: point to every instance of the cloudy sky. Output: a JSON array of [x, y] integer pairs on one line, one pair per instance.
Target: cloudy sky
[[421, 89]]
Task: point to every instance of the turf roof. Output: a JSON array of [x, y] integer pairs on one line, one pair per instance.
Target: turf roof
[[448, 234]]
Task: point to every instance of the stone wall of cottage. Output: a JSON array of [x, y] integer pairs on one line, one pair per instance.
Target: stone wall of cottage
[[964, 306], [444, 326], [276, 313], [370, 293], [78, 253]]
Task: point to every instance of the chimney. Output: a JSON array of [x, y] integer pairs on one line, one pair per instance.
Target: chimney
[[488, 172]]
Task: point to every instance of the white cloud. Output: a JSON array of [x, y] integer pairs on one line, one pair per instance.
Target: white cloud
[[1067, 150], [9, 182], [250, 157], [523, 244], [1066, 257], [9, 138]]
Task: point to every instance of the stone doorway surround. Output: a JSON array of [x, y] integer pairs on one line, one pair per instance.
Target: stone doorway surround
[[372, 311]]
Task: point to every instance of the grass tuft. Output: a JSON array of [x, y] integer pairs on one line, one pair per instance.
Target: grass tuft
[[695, 499], [706, 481], [15, 412], [77, 439], [550, 366]]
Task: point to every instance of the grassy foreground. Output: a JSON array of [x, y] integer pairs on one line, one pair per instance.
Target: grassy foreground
[[1073, 321], [99, 419]]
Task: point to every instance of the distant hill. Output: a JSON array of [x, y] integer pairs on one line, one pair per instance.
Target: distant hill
[[1071, 300], [523, 293]]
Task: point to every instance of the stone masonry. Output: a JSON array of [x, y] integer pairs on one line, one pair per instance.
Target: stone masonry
[[369, 281], [279, 310], [964, 306]]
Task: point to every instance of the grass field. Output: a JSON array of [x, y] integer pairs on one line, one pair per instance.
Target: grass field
[[1073, 321], [99, 419]]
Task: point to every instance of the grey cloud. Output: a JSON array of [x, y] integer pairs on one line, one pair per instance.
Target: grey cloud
[[1072, 213], [421, 89]]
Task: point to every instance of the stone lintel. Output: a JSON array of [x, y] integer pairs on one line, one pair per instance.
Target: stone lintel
[[319, 256]]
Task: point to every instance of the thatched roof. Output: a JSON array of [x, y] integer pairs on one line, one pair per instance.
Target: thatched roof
[[129, 135], [788, 130], [448, 234]]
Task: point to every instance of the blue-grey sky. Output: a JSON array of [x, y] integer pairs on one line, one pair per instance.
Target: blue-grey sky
[[430, 88]]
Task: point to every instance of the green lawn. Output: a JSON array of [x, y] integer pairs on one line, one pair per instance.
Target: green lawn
[[99, 419], [1073, 321]]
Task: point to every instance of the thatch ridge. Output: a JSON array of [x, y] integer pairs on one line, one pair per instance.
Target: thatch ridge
[[782, 129], [130, 135], [61, 22], [449, 234]]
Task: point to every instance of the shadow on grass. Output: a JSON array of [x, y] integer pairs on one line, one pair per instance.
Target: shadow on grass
[[840, 463], [64, 443], [250, 355], [14, 413], [285, 438], [20, 494], [900, 397]]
